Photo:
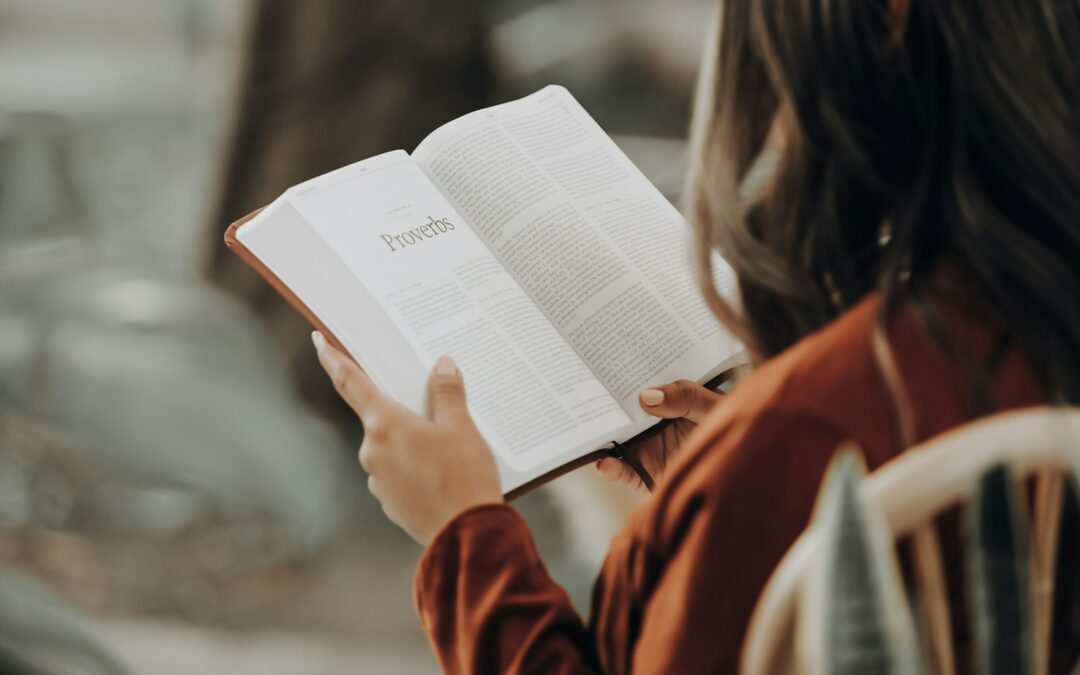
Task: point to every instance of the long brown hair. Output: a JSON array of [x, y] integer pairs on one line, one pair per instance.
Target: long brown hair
[[914, 132]]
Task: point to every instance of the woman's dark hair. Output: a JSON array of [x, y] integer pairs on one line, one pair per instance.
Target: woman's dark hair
[[916, 133]]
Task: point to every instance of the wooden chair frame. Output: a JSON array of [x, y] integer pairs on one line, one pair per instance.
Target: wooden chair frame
[[911, 490]]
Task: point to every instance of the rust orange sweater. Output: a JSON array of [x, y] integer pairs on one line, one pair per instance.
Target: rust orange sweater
[[682, 578]]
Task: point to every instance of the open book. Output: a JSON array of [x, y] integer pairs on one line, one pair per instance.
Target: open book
[[523, 243]]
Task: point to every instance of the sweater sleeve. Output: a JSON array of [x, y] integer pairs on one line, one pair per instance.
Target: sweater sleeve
[[488, 605], [711, 541]]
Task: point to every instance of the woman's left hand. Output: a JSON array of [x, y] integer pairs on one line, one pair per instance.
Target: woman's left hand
[[423, 470]]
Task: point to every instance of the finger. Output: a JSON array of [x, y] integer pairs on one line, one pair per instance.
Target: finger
[[681, 398], [381, 425], [365, 455], [446, 391], [373, 487], [618, 472], [350, 382]]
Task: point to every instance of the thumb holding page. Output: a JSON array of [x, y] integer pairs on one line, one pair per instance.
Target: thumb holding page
[[679, 399], [685, 403], [446, 392]]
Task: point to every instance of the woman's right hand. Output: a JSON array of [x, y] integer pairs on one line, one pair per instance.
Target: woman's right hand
[[685, 403]]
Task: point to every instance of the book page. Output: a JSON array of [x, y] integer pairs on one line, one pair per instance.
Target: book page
[[600, 250], [530, 393], [282, 241]]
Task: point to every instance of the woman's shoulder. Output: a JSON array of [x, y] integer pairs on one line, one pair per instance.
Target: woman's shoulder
[[828, 379], [773, 435], [767, 444]]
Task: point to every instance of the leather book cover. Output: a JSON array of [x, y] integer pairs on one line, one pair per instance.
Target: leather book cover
[[251, 261]]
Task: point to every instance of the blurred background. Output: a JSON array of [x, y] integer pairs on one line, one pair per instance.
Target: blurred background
[[178, 485]]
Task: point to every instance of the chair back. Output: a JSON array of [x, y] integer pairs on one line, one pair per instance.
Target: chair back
[[1040, 446]]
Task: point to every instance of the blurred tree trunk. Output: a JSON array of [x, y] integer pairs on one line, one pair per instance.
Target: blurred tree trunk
[[327, 83]]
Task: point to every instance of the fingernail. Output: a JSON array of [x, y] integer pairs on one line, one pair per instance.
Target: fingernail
[[652, 397], [318, 339], [445, 366]]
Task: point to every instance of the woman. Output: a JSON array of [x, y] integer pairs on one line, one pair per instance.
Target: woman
[[911, 264]]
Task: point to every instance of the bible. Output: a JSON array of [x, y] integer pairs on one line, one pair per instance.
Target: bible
[[520, 241]]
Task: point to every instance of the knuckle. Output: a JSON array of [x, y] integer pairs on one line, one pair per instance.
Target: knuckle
[[447, 386], [686, 386], [376, 429], [365, 456], [686, 390], [376, 433]]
